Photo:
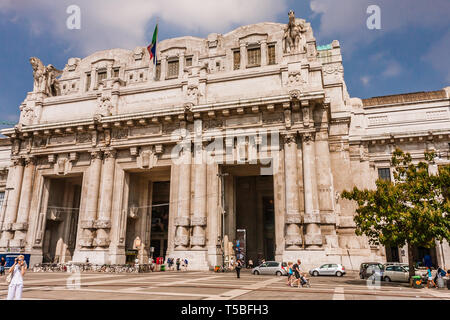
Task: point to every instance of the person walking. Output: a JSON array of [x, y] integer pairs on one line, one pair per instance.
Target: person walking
[[296, 269], [290, 273], [238, 266], [185, 264], [430, 278], [2, 266], [250, 264], [16, 285], [178, 262]]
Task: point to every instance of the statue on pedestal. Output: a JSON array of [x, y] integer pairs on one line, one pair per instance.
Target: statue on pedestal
[[45, 78], [292, 34]]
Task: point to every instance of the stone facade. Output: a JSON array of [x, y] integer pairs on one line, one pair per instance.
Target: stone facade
[[115, 141]]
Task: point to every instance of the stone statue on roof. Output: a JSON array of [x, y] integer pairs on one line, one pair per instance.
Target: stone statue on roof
[[292, 34], [45, 78]]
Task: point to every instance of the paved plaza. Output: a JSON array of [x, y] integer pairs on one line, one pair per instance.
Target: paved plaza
[[188, 285]]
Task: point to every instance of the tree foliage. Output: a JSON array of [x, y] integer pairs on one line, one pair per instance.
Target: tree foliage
[[412, 210]]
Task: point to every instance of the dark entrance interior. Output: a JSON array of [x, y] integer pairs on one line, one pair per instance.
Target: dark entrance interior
[[249, 206], [160, 218], [61, 221]]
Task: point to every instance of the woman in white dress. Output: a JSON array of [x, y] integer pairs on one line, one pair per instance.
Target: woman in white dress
[[16, 284]]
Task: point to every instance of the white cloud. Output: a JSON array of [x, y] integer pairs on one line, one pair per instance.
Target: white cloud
[[392, 69], [345, 20], [365, 80], [114, 23], [438, 56]]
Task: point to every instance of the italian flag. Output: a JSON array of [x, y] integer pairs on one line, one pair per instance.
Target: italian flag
[[152, 46]]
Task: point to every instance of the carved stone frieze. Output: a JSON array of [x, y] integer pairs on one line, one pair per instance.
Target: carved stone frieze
[[313, 239], [198, 240], [293, 218], [102, 224], [20, 226], [293, 240], [311, 218], [87, 224], [198, 221], [182, 240], [182, 221]]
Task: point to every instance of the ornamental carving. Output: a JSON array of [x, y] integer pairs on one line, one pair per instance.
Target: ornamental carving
[[20, 226], [335, 69], [87, 224], [293, 218], [307, 137], [101, 242], [102, 224], [311, 218], [313, 239], [295, 79], [182, 221], [119, 134], [198, 221], [104, 106], [83, 137], [289, 138], [182, 241], [86, 242], [295, 94], [293, 240], [198, 240]]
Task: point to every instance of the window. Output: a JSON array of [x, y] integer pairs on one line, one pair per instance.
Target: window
[[384, 173], [101, 75], [390, 268], [172, 69], [116, 72], [254, 57], [188, 62], [2, 197], [236, 60], [271, 52], [272, 264], [88, 81], [158, 71]]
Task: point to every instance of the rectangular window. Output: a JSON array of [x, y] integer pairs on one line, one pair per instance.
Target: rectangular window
[[116, 72], [384, 173], [254, 57], [188, 62], [172, 69], [88, 81], [101, 75], [2, 197], [158, 72], [236, 60], [271, 52]]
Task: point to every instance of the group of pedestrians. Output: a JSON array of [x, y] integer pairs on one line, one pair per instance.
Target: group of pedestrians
[[295, 276], [181, 264]]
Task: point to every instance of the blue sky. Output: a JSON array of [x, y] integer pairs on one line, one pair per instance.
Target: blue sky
[[409, 53]]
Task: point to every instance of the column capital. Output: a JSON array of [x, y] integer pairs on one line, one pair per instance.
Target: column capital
[[17, 161], [289, 138], [30, 160], [308, 137], [110, 154], [96, 155]]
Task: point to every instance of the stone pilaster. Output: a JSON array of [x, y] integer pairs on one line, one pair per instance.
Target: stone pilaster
[[181, 66], [243, 52], [264, 54], [313, 237], [293, 217], [182, 220], [90, 215], [198, 221], [21, 224], [15, 176], [103, 222], [163, 68]]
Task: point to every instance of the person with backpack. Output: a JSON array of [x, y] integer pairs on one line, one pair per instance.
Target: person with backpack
[[2, 266], [185, 264]]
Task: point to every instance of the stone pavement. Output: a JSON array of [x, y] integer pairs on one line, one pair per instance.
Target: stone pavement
[[209, 286]]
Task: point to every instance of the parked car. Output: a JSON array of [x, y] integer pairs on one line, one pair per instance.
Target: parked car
[[271, 267], [331, 269], [400, 273], [367, 269]]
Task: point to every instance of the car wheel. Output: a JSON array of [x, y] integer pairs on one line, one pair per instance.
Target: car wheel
[[339, 274], [256, 272], [278, 273], [315, 273], [387, 279]]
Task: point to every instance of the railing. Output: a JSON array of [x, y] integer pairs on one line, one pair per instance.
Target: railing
[[88, 267]]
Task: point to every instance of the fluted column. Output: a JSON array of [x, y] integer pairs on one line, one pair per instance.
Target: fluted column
[[183, 204], [21, 224], [103, 222], [312, 218], [88, 222], [293, 218], [198, 221], [15, 176]]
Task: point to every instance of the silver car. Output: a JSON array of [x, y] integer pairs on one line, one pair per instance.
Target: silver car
[[330, 269], [271, 267], [400, 273]]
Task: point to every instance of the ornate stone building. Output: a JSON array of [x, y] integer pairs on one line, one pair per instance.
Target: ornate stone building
[[251, 132]]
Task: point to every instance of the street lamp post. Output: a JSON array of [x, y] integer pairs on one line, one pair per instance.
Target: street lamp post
[[222, 182]]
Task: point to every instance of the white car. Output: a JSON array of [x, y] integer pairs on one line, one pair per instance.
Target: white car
[[400, 273], [330, 269]]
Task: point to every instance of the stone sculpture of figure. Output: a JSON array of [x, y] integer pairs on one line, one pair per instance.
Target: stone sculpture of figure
[[292, 34], [45, 78]]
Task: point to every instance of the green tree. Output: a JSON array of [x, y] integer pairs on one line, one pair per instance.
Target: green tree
[[412, 210]]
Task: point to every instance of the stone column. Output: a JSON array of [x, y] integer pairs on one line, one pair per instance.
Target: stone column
[[312, 218], [198, 221], [15, 176], [93, 78], [243, 52], [163, 68], [21, 225], [324, 175], [103, 222], [88, 222], [181, 66], [264, 54], [293, 218], [182, 221]]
